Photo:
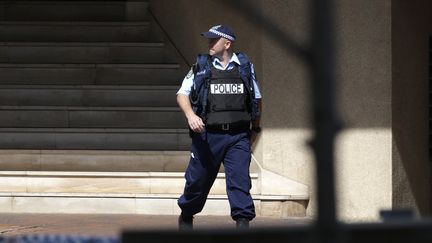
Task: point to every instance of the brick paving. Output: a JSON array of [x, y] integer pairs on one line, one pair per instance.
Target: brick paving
[[113, 225]]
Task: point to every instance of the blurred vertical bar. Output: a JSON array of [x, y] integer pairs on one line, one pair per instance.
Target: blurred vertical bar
[[324, 114]]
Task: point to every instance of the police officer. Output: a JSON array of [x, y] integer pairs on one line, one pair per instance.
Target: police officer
[[221, 101]]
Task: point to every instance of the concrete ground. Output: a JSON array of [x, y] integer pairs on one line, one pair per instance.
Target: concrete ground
[[113, 225]]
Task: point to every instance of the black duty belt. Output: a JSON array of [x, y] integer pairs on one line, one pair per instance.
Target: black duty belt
[[227, 127]]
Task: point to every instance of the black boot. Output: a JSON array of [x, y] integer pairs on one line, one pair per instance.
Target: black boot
[[185, 222], [242, 223]]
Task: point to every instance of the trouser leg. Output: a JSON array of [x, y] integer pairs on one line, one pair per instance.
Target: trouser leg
[[200, 176], [237, 163]]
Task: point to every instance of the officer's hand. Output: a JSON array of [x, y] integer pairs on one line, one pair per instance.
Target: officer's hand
[[195, 123]]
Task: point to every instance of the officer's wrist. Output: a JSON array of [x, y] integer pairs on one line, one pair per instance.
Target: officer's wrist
[[256, 129], [190, 115]]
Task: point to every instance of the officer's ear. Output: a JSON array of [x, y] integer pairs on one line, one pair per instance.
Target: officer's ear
[[228, 44]]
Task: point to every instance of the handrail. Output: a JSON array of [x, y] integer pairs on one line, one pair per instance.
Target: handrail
[[170, 40]]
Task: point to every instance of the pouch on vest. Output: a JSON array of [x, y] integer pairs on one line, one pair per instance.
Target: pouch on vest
[[227, 98]]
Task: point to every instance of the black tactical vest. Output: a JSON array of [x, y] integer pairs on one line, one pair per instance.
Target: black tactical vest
[[227, 98]]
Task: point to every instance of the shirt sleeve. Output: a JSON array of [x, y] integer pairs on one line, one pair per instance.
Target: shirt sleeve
[[255, 83], [187, 83]]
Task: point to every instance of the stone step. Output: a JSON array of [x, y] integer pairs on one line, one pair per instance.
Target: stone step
[[41, 31], [95, 160], [91, 74], [95, 139], [160, 204], [136, 193], [91, 117], [104, 182], [88, 95], [76, 52], [73, 10]]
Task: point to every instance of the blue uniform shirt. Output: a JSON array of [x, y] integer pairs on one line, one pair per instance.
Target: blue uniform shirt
[[188, 80]]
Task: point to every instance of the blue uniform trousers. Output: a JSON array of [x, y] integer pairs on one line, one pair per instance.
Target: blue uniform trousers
[[209, 149]]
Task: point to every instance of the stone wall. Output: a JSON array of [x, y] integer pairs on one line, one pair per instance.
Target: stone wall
[[368, 166]]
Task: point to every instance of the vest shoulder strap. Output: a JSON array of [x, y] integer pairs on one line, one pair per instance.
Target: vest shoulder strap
[[202, 61], [245, 66], [243, 58]]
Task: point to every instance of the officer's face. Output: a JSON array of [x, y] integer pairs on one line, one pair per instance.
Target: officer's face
[[218, 46]]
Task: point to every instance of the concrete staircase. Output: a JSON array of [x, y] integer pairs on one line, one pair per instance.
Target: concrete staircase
[[87, 75], [88, 118]]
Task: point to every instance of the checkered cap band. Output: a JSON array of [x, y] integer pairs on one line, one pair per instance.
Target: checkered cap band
[[231, 38]]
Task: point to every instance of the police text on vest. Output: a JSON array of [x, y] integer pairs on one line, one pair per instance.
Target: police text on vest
[[226, 88]]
